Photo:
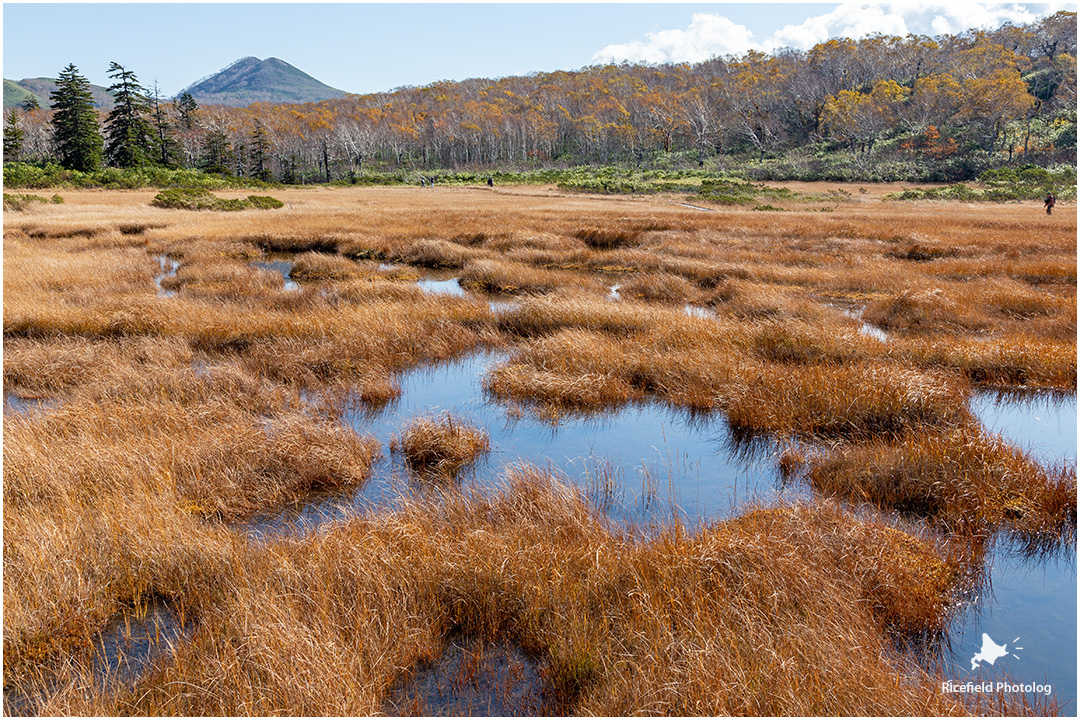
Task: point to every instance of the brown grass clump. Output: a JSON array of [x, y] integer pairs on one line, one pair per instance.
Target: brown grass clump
[[856, 401], [511, 278], [571, 369], [440, 446], [924, 253], [38, 368], [1016, 360], [659, 287], [318, 266], [608, 238], [436, 254], [106, 495], [910, 311], [279, 242], [780, 612], [543, 315], [223, 279], [961, 479]]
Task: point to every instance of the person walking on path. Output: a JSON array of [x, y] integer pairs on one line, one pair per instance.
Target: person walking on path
[[1049, 202]]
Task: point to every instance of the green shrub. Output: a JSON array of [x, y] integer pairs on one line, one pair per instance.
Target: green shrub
[[18, 201], [49, 175], [203, 199], [264, 202]]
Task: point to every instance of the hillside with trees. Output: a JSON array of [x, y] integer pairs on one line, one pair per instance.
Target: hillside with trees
[[883, 108]]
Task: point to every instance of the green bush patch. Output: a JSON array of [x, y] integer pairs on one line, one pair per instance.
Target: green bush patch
[[20, 201], [203, 199], [264, 202]]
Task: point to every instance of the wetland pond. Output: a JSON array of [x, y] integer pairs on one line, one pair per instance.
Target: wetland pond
[[642, 464], [651, 463]]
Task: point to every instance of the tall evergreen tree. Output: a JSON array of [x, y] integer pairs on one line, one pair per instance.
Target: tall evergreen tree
[[127, 129], [260, 152], [166, 146], [186, 109], [217, 153], [239, 159], [13, 137], [76, 133]]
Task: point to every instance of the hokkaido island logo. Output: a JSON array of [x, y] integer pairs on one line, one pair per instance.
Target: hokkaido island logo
[[991, 651]]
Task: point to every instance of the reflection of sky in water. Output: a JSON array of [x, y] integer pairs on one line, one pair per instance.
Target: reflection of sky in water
[[1034, 601], [450, 286], [663, 460], [15, 405], [168, 269], [282, 268], [1042, 424]]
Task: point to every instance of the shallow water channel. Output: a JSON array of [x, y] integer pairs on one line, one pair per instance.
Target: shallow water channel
[[651, 463], [1029, 605], [641, 463]]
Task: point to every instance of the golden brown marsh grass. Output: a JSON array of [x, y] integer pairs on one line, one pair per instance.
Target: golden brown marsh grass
[[861, 400], [173, 413], [439, 447], [105, 494], [966, 481], [682, 624], [509, 278]]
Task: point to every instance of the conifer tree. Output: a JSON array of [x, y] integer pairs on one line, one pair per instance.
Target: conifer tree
[[260, 152], [186, 109], [217, 153], [30, 103], [13, 137], [76, 133], [166, 146], [128, 132]]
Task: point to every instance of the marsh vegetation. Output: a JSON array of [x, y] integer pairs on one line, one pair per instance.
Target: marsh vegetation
[[192, 371]]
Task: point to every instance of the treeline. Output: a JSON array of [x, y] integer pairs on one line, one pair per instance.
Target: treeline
[[915, 108]]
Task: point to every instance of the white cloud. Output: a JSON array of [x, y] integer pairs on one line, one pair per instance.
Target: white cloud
[[710, 35], [706, 37]]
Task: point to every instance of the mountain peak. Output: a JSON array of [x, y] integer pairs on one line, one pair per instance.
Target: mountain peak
[[250, 80]]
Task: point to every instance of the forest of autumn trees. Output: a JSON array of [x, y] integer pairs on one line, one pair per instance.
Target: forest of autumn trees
[[988, 96]]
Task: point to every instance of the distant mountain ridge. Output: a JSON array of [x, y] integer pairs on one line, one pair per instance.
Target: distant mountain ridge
[[246, 81], [17, 91], [250, 80]]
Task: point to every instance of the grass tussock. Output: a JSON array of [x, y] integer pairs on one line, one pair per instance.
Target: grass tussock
[[440, 447], [575, 369], [659, 287], [855, 401], [318, 266], [962, 479], [107, 496], [510, 278], [1016, 360], [805, 596], [436, 254], [609, 238]]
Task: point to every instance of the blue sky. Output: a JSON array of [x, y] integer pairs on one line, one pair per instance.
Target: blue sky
[[364, 48]]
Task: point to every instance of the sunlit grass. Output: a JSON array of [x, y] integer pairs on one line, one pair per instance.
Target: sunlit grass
[[173, 417]]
